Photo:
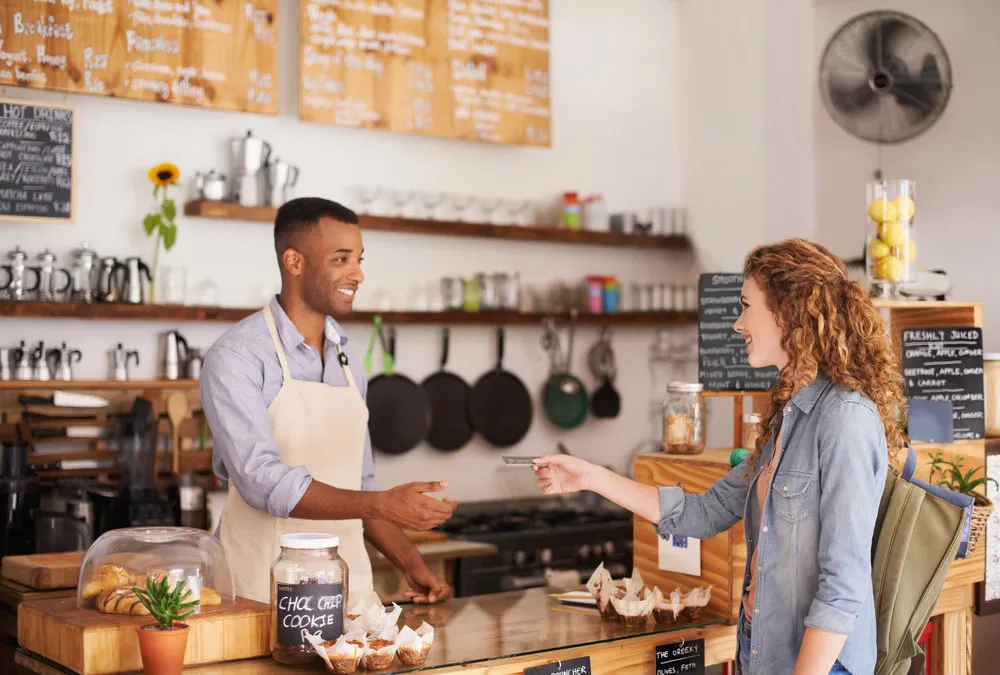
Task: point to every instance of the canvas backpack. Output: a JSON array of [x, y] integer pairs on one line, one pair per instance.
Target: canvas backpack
[[919, 531]]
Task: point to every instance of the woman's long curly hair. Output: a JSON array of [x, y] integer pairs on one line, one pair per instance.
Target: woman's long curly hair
[[828, 324]]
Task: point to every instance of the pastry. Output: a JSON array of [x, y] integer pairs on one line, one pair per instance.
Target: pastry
[[106, 577], [695, 602], [413, 646], [380, 654], [209, 597], [121, 601]]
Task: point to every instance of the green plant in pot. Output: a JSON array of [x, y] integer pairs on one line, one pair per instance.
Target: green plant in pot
[[949, 474], [162, 644]]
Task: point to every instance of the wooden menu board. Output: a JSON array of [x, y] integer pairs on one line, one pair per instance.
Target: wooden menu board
[[208, 53], [466, 69]]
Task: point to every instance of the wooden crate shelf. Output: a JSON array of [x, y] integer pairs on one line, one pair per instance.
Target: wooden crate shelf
[[552, 235], [123, 312]]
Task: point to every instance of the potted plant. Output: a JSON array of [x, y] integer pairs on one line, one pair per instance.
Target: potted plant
[[949, 475], [162, 644]]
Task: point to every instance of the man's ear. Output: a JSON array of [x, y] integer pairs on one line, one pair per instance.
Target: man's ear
[[293, 262]]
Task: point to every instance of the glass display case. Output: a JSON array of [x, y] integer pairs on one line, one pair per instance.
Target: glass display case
[[125, 558]]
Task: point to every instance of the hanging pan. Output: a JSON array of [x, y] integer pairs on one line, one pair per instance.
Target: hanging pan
[[501, 405], [564, 396], [605, 402], [449, 396], [399, 412]]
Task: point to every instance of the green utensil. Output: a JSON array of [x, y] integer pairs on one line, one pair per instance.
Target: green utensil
[[376, 325]]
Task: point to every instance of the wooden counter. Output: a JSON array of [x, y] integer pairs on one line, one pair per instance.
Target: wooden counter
[[506, 633]]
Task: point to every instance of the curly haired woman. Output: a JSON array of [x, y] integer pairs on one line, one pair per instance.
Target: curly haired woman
[[809, 492]]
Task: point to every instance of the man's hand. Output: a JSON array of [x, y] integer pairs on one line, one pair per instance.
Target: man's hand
[[407, 506], [426, 588]]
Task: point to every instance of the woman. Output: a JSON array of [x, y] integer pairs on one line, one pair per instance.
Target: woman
[[809, 492]]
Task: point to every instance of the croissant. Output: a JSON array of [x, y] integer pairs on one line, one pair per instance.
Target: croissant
[[121, 601], [106, 577], [209, 597]]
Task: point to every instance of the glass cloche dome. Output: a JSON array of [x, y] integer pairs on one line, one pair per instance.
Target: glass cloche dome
[[124, 558]]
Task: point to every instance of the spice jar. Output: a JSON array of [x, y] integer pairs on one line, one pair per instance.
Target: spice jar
[[309, 590], [684, 418], [991, 385], [751, 430]]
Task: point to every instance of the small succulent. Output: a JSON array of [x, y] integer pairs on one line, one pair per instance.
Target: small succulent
[[950, 474], [167, 606]]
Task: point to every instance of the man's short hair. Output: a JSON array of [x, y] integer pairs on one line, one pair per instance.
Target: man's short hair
[[303, 213]]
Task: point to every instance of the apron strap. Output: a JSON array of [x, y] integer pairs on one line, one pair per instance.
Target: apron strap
[[342, 358], [273, 329]]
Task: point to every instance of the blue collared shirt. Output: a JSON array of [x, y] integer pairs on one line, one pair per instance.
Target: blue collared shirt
[[814, 534], [240, 378]]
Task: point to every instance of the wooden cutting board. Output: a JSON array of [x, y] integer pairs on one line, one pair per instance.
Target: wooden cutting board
[[91, 643], [44, 571]]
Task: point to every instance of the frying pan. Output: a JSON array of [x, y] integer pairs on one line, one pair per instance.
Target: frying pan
[[564, 396], [605, 402], [451, 426], [399, 412], [501, 405]]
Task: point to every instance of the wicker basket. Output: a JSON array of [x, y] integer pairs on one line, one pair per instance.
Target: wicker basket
[[982, 509]]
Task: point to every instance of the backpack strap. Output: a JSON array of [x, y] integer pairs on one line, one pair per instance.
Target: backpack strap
[[911, 463]]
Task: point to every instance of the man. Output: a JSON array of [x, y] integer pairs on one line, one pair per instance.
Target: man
[[285, 402]]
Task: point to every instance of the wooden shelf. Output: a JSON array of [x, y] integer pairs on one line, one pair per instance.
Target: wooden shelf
[[77, 385], [123, 312], [232, 211]]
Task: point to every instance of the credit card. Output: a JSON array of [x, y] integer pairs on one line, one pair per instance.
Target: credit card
[[518, 461]]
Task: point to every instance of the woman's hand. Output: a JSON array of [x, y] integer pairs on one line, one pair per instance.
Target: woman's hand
[[560, 474]]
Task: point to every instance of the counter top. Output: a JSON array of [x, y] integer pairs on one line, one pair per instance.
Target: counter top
[[517, 629]]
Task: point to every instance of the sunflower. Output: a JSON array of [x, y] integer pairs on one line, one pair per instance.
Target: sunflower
[[164, 174]]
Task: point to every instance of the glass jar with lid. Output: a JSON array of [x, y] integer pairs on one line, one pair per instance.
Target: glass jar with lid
[[684, 418], [751, 430], [890, 244], [309, 590]]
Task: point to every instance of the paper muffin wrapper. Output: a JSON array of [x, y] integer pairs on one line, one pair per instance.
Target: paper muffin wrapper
[[379, 654]]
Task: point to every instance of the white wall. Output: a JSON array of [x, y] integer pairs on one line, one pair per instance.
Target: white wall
[[616, 102], [953, 163]]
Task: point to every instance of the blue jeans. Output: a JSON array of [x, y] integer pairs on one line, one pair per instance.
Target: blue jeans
[[743, 633]]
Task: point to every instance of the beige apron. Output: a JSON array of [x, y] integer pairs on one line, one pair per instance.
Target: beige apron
[[322, 428]]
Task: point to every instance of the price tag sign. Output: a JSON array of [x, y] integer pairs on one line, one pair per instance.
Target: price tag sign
[[579, 666], [317, 609], [681, 658]]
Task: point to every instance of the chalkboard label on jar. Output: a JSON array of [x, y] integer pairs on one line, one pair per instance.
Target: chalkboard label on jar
[[317, 609]]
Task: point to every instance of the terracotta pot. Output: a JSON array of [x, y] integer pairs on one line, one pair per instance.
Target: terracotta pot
[[163, 650]]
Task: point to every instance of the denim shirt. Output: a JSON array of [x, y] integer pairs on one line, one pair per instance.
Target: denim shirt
[[815, 530]]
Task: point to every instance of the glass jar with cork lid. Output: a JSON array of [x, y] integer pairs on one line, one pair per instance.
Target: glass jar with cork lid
[[309, 590], [684, 418]]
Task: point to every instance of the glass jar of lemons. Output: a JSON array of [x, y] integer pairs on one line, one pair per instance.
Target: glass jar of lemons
[[891, 249]]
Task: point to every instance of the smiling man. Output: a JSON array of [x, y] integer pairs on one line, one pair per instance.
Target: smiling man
[[285, 402]]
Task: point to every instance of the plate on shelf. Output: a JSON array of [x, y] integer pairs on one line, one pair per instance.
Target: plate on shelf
[[583, 598]]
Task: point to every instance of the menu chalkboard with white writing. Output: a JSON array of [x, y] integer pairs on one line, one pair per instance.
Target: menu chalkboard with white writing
[[36, 161], [580, 666], [722, 352], [946, 364], [212, 54], [686, 657], [317, 609], [473, 70]]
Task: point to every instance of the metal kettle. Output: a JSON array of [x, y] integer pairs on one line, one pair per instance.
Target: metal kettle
[[133, 291], [64, 358], [110, 278], [249, 153], [175, 353], [211, 186]]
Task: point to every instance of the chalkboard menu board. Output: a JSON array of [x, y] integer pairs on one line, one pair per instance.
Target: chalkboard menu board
[[681, 658], [946, 364], [580, 666], [36, 161], [722, 353], [317, 609], [473, 70], [219, 54]]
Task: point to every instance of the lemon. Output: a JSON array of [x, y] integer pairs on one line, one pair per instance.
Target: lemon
[[889, 268], [878, 249], [904, 207], [892, 233], [881, 211], [908, 253]]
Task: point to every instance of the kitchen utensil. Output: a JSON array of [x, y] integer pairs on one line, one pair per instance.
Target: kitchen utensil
[[376, 332], [133, 290], [564, 397], [399, 411], [64, 358], [60, 532], [177, 410], [48, 290], [250, 153], [40, 371], [84, 259], [14, 459], [23, 358], [451, 427], [501, 406], [6, 369], [119, 362], [175, 352], [110, 279], [605, 401], [20, 496], [192, 367], [211, 186], [281, 178], [65, 399], [17, 287], [79, 431], [137, 436]]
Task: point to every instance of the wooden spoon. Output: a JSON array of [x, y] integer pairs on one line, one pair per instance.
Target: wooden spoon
[[177, 410]]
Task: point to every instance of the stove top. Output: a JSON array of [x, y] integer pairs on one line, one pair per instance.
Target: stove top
[[529, 519]]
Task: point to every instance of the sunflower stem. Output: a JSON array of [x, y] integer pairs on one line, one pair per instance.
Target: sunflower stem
[[156, 267]]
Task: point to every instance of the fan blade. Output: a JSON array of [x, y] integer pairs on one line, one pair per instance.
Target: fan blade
[[850, 101], [887, 39]]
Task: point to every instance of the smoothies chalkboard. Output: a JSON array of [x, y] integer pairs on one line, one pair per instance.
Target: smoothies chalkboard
[[722, 354]]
